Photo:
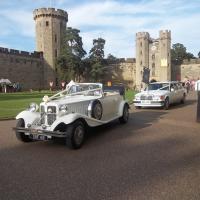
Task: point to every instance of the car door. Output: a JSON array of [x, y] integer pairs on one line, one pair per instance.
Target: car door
[[179, 92], [172, 95]]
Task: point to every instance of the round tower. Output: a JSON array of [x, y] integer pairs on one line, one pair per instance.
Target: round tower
[[50, 25], [142, 56]]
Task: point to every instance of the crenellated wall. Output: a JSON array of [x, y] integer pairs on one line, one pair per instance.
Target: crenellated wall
[[23, 67]]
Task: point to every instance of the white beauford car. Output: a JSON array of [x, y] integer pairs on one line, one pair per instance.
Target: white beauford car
[[160, 94], [68, 113]]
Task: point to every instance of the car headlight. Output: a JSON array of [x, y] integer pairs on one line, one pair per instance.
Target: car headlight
[[137, 97], [33, 107], [63, 109]]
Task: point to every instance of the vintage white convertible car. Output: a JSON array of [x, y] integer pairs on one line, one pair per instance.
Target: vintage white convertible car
[[160, 94], [68, 113]]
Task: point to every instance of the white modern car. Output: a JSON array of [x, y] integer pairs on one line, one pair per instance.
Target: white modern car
[[68, 113], [160, 94]]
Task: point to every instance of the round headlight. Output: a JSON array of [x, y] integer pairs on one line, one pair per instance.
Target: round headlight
[[33, 107], [63, 108]]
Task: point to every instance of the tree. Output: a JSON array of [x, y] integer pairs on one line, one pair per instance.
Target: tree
[[178, 53], [97, 59], [97, 51], [199, 54], [189, 56], [111, 59], [69, 62]]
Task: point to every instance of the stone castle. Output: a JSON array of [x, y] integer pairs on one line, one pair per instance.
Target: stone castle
[[34, 70]]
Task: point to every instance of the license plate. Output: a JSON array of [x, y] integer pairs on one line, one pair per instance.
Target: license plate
[[146, 101], [40, 137]]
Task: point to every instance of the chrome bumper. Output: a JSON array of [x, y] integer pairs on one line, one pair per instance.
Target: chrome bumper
[[32, 131]]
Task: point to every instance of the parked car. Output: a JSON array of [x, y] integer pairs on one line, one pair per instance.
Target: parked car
[[68, 113], [160, 94]]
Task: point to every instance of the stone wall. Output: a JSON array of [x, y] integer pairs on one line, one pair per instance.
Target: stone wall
[[23, 67], [189, 69], [122, 71]]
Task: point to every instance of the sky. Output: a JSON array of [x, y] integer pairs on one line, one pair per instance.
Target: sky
[[117, 21]]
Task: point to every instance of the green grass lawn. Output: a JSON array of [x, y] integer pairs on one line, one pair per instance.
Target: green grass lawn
[[13, 103]]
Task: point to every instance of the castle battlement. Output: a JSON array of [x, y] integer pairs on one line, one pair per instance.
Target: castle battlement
[[34, 54], [52, 12], [165, 34], [142, 35], [191, 61]]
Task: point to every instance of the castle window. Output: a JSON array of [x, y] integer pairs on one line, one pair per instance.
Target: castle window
[[56, 54], [153, 57], [140, 62], [141, 44], [47, 23], [153, 69], [140, 52]]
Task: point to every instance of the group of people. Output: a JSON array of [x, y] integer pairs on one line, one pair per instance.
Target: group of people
[[7, 88], [190, 85]]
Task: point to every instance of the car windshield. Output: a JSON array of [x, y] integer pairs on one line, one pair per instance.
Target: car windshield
[[158, 86], [82, 88]]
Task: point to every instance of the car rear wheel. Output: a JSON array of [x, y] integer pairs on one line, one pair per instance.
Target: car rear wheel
[[166, 104], [20, 135], [124, 118], [75, 134]]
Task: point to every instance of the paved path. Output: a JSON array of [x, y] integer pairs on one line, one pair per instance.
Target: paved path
[[155, 156]]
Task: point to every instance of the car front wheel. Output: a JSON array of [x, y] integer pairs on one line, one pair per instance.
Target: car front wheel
[[75, 134], [20, 135], [124, 118]]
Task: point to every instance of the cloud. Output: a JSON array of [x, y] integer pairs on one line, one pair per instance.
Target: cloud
[[117, 21], [19, 22]]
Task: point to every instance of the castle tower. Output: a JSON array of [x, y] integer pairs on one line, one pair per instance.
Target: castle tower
[[142, 56], [165, 55], [50, 25]]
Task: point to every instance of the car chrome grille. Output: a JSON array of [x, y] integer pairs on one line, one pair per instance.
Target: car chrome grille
[[46, 116], [51, 117], [149, 97]]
